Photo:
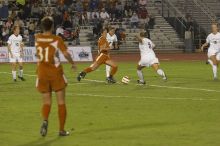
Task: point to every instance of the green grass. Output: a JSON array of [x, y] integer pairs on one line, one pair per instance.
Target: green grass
[[99, 114]]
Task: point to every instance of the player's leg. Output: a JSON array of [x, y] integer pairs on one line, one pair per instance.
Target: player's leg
[[20, 73], [100, 60], [45, 112], [113, 71], [140, 75], [107, 69], [14, 72], [62, 112], [89, 69], [159, 71], [214, 63]]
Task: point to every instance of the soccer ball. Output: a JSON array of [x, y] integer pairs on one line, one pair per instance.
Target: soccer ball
[[125, 80]]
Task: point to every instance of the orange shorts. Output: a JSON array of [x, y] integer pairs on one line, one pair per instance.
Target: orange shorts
[[102, 58], [45, 86]]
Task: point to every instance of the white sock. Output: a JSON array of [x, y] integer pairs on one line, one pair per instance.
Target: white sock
[[108, 69], [14, 74], [160, 72], [215, 70], [21, 73], [140, 75]]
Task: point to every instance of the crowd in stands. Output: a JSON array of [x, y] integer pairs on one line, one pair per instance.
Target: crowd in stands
[[69, 15]]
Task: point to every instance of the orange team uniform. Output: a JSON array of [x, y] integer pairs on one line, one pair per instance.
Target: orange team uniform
[[103, 54], [50, 75]]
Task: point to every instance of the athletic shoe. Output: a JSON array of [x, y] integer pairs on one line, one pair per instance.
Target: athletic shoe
[[81, 76], [15, 80], [141, 82], [165, 78], [21, 78], [110, 80], [215, 79], [64, 133], [43, 130]]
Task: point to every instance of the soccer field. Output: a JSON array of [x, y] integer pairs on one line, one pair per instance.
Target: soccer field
[[184, 111]]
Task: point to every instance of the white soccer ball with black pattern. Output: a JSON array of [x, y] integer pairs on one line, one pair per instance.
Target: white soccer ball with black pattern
[[125, 80]]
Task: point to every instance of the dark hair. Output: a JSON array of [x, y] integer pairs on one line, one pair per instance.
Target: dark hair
[[47, 23]]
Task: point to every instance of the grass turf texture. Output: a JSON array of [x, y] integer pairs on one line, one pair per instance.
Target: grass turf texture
[[117, 115]]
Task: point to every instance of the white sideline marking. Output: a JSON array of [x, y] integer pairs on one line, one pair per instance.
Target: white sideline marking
[[145, 97], [159, 86]]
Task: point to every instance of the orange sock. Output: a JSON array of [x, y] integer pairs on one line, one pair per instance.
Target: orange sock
[[87, 70], [45, 111], [62, 115], [113, 70]]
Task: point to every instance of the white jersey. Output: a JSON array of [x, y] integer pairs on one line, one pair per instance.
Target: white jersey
[[214, 41], [15, 42], [148, 57], [111, 39], [146, 47]]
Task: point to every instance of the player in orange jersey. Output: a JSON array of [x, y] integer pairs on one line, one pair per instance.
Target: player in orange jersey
[[103, 58], [50, 75]]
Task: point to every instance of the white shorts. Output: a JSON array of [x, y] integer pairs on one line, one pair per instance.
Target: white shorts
[[149, 60], [212, 52], [16, 58]]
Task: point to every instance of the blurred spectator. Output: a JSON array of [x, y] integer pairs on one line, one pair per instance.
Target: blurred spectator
[[143, 3], [19, 22], [189, 24], [3, 10], [9, 23], [134, 20], [104, 15], [151, 22], [93, 5], [119, 13], [60, 31], [5, 34], [35, 10], [75, 35], [31, 32], [143, 14], [120, 33], [13, 15]]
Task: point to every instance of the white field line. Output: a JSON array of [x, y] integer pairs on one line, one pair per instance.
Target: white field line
[[145, 97], [159, 86]]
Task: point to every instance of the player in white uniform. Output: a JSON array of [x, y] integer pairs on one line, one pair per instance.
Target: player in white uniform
[[148, 58], [213, 40], [113, 43], [15, 49]]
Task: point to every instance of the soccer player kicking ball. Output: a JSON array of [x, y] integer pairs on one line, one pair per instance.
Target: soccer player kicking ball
[[50, 75], [148, 58], [103, 58], [15, 49], [214, 49]]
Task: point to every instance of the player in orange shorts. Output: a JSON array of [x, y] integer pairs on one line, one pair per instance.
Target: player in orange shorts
[[103, 58], [50, 75]]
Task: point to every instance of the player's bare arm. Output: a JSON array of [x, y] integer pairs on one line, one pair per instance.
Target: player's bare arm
[[69, 59], [9, 50], [203, 46]]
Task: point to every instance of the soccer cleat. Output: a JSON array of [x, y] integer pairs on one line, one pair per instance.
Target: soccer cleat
[[215, 79], [111, 80], [64, 133], [43, 130], [15, 80], [165, 78], [21, 78], [81, 76], [141, 82]]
